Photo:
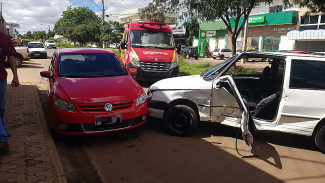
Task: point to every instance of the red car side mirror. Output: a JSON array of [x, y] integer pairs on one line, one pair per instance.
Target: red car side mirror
[[45, 74]]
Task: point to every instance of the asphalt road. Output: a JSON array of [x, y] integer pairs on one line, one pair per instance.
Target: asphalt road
[[148, 154]]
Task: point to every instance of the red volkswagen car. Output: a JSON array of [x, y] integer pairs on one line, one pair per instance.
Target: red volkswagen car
[[91, 91]]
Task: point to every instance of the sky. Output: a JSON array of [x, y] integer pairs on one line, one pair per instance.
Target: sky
[[38, 15]]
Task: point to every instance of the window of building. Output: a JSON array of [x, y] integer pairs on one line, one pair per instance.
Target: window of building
[[307, 75], [254, 42], [313, 19], [271, 43], [275, 9], [309, 27]]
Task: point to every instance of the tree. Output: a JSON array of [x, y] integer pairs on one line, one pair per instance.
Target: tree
[[112, 31], [156, 10], [192, 26], [315, 6], [28, 35], [211, 10], [73, 22]]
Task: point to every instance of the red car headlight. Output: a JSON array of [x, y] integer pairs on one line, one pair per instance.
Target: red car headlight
[[63, 105], [141, 99]]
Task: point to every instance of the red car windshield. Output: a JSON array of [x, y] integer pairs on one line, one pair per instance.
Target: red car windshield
[[87, 65], [152, 39]]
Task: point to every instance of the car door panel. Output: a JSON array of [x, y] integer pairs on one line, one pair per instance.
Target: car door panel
[[226, 101]]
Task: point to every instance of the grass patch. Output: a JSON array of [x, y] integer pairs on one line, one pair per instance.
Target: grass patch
[[186, 68], [64, 45], [238, 70]]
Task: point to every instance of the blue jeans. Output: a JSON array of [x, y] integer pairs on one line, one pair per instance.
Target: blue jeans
[[3, 133]]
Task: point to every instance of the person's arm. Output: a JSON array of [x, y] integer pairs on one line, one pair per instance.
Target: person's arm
[[13, 66]]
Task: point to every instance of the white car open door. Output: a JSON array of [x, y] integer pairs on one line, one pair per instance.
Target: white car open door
[[226, 102]]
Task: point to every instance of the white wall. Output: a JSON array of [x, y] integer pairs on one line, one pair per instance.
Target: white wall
[[221, 43], [286, 44]]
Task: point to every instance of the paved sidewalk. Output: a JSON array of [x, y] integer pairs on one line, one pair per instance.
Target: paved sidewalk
[[32, 156]]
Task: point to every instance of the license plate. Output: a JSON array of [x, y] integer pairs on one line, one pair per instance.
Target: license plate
[[108, 120], [37, 54]]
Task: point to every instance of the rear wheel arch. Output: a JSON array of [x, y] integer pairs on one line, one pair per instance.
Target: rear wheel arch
[[318, 126]]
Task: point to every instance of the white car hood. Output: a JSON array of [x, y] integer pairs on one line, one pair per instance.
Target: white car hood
[[182, 83], [36, 49]]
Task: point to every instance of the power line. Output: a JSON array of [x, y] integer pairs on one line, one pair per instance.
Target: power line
[[95, 4]]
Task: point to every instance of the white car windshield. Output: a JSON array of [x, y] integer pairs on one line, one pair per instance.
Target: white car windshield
[[35, 45], [152, 39], [212, 73]]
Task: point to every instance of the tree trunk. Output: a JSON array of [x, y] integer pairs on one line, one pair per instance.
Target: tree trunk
[[233, 44]]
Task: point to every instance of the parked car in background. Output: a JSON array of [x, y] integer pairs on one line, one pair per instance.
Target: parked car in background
[[50, 44], [191, 51], [36, 50], [21, 54], [221, 53], [91, 91], [286, 97], [318, 53]]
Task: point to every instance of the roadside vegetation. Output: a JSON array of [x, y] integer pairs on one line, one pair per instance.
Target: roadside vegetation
[[64, 45], [186, 68]]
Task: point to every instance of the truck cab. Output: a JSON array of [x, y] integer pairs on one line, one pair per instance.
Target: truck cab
[[148, 51]]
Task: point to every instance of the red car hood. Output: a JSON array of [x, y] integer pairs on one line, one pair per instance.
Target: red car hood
[[149, 55], [102, 89]]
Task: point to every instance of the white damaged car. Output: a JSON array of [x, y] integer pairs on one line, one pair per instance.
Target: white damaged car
[[288, 96]]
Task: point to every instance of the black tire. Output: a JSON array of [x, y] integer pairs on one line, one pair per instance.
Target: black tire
[[19, 61], [45, 56], [180, 120], [320, 139], [196, 57], [222, 57]]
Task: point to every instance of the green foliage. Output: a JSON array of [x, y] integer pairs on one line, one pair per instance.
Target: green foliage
[[156, 10], [79, 24], [112, 31], [64, 45], [186, 68], [238, 70], [193, 27], [117, 51], [315, 6]]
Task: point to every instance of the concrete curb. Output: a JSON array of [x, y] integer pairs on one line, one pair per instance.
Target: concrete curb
[[49, 140]]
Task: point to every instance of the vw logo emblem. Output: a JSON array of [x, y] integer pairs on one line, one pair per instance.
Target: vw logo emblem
[[108, 107], [156, 59]]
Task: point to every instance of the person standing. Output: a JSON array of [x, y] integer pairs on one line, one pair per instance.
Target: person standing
[[7, 49]]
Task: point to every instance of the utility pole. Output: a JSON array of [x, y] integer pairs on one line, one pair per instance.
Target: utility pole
[[103, 16], [0, 9]]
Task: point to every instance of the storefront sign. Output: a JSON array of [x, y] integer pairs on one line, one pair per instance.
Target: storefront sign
[[256, 19], [179, 29], [283, 30], [306, 34], [211, 33]]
